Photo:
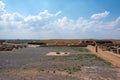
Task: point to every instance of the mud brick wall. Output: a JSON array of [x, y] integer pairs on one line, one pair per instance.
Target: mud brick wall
[[92, 48], [109, 56], [118, 51]]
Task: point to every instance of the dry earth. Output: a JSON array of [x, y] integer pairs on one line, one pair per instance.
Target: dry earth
[[33, 64]]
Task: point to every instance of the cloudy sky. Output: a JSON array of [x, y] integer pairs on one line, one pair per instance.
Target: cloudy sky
[[59, 19]]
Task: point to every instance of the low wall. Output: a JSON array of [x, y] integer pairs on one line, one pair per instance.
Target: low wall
[[34, 46], [92, 48], [109, 56]]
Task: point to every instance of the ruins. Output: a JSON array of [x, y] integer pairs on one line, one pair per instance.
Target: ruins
[[5, 46], [97, 46], [58, 54]]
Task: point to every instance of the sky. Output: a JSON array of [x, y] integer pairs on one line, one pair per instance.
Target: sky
[[59, 19]]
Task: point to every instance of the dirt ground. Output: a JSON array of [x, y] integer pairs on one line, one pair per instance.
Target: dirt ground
[[33, 64]]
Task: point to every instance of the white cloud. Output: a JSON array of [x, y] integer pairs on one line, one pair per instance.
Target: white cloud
[[46, 25], [45, 14], [42, 15], [100, 15], [2, 7], [11, 17], [58, 13]]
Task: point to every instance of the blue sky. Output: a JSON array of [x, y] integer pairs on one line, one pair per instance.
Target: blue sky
[[59, 19], [70, 8]]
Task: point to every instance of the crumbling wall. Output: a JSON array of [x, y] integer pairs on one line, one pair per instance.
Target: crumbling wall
[[109, 56], [92, 48]]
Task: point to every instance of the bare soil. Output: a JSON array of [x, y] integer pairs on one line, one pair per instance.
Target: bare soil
[[33, 64]]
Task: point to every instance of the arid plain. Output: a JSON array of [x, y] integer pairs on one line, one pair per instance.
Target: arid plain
[[33, 64]]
